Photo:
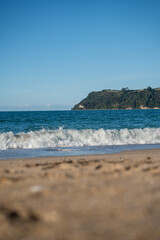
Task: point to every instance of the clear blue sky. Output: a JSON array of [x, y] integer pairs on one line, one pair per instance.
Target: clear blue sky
[[53, 53]]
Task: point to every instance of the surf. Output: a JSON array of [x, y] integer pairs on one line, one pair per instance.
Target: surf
[[78, 138]]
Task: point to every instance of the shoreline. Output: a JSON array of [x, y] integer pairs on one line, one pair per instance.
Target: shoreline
[[89, 156], [80, 151], [155, 108], [113, 196]]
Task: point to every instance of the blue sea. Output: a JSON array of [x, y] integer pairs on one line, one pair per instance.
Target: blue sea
[[62, 133]]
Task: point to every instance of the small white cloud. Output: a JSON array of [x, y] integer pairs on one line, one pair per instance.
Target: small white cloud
[[48, 105], [25, 105]]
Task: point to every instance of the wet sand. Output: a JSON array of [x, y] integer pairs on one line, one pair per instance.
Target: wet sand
[[108, 197]]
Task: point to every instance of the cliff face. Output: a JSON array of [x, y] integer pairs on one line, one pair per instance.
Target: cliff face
[[123, 99]]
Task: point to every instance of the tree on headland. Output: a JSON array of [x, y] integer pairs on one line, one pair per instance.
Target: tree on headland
[[125, 89]]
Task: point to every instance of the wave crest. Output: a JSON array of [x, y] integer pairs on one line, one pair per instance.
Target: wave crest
[[74, 138]]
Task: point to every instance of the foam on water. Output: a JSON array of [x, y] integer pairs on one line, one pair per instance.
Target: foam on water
[[78, 138]]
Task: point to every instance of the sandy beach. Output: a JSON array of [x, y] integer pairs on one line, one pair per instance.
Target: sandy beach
[[114, 196]]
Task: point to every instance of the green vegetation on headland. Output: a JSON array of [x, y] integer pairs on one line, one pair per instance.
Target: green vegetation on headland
[[121, 99]]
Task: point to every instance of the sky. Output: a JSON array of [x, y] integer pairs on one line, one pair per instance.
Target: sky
[[53, 53]]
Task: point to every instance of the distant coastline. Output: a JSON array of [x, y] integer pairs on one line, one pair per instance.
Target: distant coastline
[[115, 109], [125, 99]]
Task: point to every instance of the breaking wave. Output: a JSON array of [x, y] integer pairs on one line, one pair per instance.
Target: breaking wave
[[74, 138]]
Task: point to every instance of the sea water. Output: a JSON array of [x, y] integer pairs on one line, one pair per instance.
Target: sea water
[[57, 133]]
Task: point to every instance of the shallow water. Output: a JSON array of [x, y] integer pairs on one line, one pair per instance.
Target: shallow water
[[93, 150]]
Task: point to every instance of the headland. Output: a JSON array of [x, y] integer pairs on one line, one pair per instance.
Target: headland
[[125, 98]]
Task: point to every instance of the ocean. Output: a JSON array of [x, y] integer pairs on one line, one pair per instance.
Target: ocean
[[63, 133]]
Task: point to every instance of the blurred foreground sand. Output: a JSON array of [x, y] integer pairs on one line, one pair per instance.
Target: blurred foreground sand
[[97, 197]]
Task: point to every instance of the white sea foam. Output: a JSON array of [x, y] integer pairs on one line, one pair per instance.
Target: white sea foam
[[74, 138]]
